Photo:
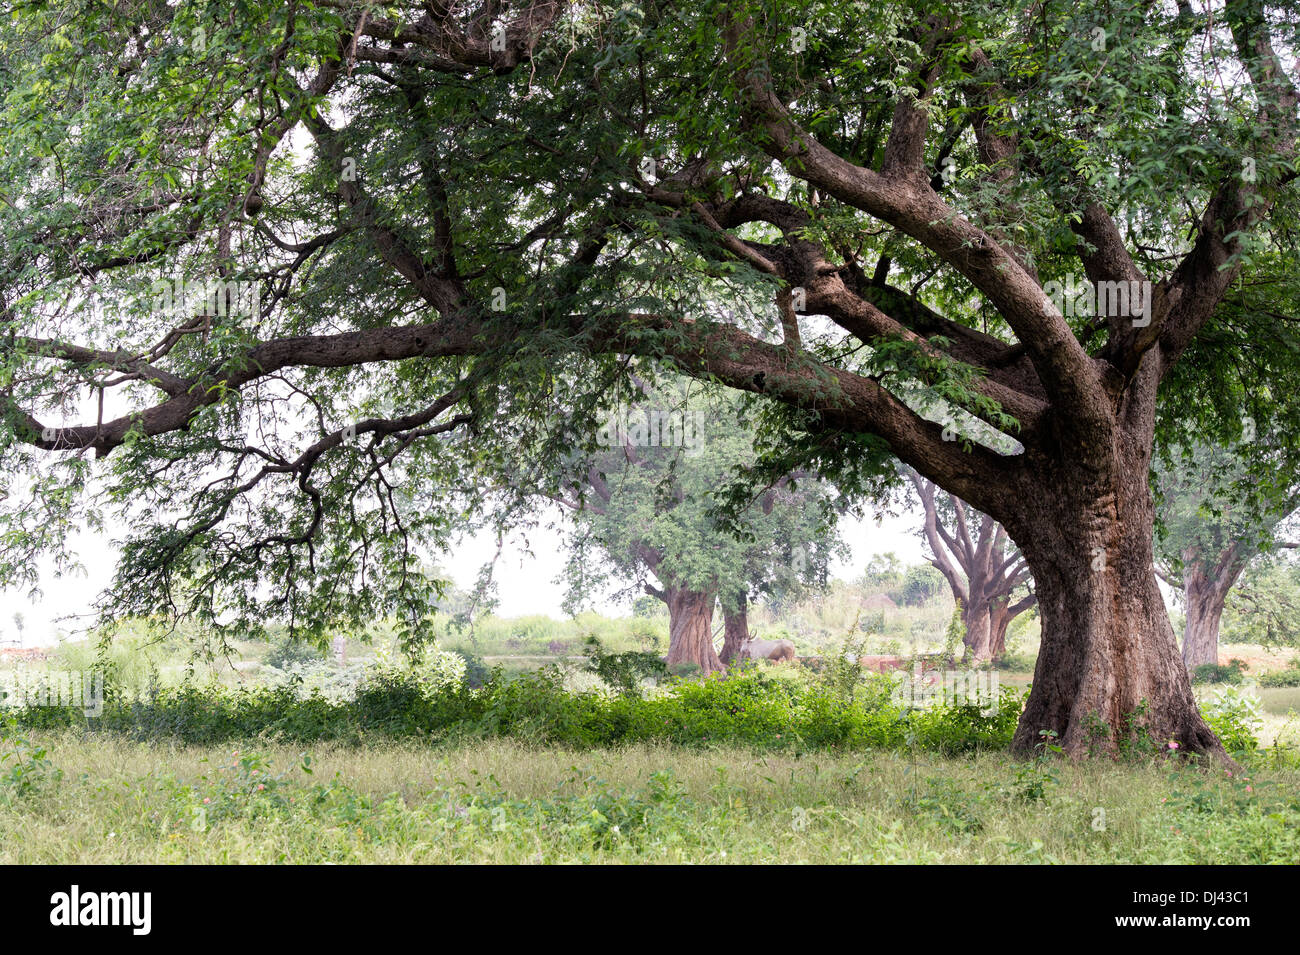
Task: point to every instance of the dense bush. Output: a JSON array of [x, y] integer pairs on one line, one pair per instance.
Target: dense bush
[[842, 708], [623, 671], [1234, 713], [1289, 677], [751, 708], [1017, 662], [921, 583], [287, 652], [476, 670], [1230, 672]]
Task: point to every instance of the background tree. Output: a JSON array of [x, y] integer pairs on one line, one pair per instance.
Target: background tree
[[920, 584], [1264, 606], [648, 504], [478, 196], [1212, 527], [986, 572], [883, 574]]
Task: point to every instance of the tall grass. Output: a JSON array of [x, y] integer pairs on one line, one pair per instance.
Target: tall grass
[[506, 801]]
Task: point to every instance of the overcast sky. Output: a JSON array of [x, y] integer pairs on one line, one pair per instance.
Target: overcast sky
[[526, 585]]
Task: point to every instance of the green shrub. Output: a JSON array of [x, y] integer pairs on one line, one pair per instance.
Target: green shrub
[[1231, 672], [476, 670], [623, 671], [1234, 714], [947, 806], [921, 583], [1289, 677], [753, 707], [1019, 662], [288, 651], [24, 767]]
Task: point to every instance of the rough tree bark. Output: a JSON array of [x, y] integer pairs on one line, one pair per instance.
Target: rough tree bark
[[735, 627], [1001, 612], [1205, 590], [690, 629], [1109, 660]]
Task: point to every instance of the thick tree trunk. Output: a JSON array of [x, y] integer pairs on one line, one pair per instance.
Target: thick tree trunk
[[1108, 667], [690, 629], [1204, 596], [975, 616], [735, 628], [1204, 610], [999, 618], [1001, 612]]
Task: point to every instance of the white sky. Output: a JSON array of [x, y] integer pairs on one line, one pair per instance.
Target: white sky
[[526, 585]]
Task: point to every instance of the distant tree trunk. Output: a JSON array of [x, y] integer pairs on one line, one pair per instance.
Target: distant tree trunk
[[735, 628], [1001, 613], [690, 629], [1205, 589], [977, 620], [999, 618], [982, 568]]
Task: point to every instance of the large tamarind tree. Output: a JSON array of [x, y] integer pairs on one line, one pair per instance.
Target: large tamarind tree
[[390, 228]]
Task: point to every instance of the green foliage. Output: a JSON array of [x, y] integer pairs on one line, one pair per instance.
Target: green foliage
[[537, 635], [948, 806], [287, 651], [243, 789], [1231, 672], [1218, 519], [623, 671], [689, 512], [749, 708], [921, 583], [1234, 714], [510, 802], [842, 673], [25, 769], [476, 671], [1264, 607], [1243, 796], [647, 607], [883, 574], [133, 140], [1135, 740], [1013, 660], [1210, 503], [582, 810], [1035, 778], [1289, 677]]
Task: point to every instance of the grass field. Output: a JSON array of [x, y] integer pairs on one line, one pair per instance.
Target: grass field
[[502, 801], [511, 795]]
